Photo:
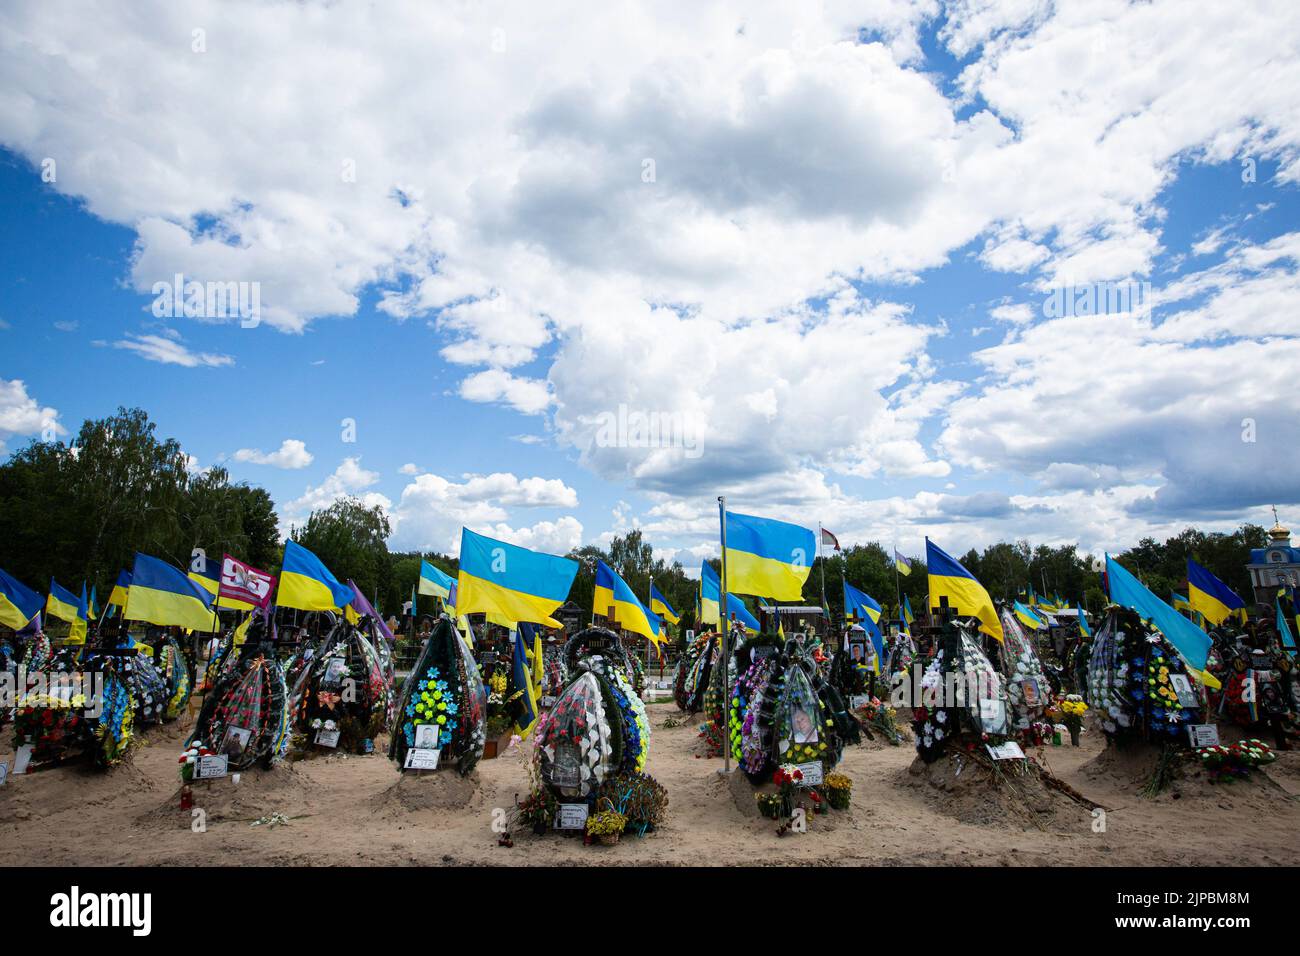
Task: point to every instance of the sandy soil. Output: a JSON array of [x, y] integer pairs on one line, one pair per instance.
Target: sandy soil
[[359, 810]]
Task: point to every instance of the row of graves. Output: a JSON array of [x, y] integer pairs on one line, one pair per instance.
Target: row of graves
[[89, 702]]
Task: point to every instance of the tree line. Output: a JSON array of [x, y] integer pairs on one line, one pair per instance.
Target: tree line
[[79, 511]]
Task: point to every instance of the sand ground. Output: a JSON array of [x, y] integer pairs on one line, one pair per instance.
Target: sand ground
[[351, 810]]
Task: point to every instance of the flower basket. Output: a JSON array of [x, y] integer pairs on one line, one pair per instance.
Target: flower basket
[[609, 839]]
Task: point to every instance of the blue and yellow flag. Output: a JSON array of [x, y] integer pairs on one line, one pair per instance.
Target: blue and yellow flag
[[1083, 623], [1210, 596], [1191, 643], [710, 588], [511, 582], [120, 590], [18, 603], [860, 603], [767, 557], [524, 686], [612, 592], [306, 584], [435, 582], [1026, 616], [66, 606], [1283, 630], [903, 565], [659, 605], [92, 611], [908, 618], [163, 595], [867, 611], [451, 599], [965, 595]]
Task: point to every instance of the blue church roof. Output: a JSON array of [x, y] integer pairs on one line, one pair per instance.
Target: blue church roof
[[1260, 555]]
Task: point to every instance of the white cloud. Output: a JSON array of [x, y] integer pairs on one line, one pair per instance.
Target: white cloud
[[432, 509], [171, 351], [292, 454], [408, 469], [22, 415], [528, 395], [349, 479]]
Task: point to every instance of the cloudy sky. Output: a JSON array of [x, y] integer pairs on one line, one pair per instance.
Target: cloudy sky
[[828, 246]]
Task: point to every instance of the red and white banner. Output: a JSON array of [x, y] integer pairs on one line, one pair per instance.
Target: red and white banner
[[245, 583]]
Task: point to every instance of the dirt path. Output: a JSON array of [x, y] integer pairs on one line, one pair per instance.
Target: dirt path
[[344, 810]]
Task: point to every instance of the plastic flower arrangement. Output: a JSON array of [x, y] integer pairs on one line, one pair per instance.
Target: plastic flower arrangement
[[51, 725], [444, 690], [839, 790], [176, 673], [1225, 764], [190, 756], [607, 825], [247, 714], [344, 687], [1028, 689]]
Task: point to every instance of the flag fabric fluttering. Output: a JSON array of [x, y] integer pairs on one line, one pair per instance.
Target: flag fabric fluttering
[[966, 595], [121, 588], [434, 582], [514, 583], [908, 617], [1187, 639], [362, 608], [866, 610], [525, 689], [1083, 623], [243, 586], [19, 604], [903, 565], [1026, 616], [830, 540], [710, 588], [306, 584], [768, 557], [1210, 596], [207, 573], [1283, 630], [660, 606], [163, 595], [66, 606], [613, 592]]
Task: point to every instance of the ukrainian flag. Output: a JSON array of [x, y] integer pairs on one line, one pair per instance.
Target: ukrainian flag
[[161, 594], [1180, 602], [1083, 623], [1283, 630], [867, 610], [509, 581], [18, 603], [768, 557], [612, 592], [434, 582], [120, 589], [1192, 644], [966, 595], [659, 605], [66, 606], [210, 580], [710, 588], [908, 618], [1027, 617], [860, 603], [91, 611], [524, 687], [306, 584], [451, 599], [1211, 596]]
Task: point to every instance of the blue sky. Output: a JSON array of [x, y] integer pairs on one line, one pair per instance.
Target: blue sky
[[833, 271]]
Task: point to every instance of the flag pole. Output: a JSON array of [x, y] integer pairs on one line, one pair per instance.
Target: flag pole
[[822, 562], [898, 591], [725, 618]]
